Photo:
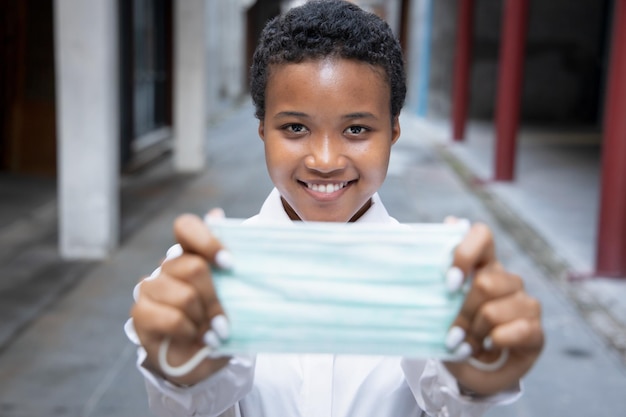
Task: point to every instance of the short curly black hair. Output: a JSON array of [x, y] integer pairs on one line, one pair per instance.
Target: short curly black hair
[[324, 28]]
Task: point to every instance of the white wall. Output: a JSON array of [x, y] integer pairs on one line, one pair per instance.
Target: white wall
[[86, 57], [190, 80]]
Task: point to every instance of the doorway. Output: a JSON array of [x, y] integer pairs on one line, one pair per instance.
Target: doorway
[[27, 88]]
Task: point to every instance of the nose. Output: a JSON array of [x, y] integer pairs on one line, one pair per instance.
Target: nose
[[325, 154]]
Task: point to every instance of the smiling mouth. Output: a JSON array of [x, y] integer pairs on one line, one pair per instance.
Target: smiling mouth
[[326, 188]]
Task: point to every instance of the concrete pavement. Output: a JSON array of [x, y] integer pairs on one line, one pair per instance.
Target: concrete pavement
[[72, 359], [551, 209]]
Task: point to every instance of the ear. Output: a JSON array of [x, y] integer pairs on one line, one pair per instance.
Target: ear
[[262, 130], [395, 130]]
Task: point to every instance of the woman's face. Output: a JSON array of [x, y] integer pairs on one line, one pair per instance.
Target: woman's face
[[328, 133]]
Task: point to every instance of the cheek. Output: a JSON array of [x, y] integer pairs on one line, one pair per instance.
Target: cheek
[[375, 160], [279, 156]]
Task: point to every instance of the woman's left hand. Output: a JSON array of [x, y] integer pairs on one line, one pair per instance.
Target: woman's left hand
[[497, 315]]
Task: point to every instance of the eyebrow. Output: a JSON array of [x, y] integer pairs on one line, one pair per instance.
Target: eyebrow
[[290, 114], [360, 115], [356, 115]]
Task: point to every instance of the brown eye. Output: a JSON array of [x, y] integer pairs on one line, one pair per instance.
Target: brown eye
[[356, 130], [295, 128]]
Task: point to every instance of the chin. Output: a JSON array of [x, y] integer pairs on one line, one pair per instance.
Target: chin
[[331, 218]]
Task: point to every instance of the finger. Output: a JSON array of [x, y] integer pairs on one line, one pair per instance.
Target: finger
[[179, 294], [519, 334], [150, 277], [503, 310], [476, 250], [154, 321], [195, 271], [195, 237], [488, 284]]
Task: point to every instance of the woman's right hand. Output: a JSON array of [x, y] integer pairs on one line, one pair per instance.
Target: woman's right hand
[[181, 303]]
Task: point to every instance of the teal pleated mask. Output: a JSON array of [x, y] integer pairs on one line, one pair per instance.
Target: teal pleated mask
[[338, 288]]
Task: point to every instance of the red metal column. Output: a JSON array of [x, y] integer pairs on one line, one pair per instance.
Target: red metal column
[[611, 257], [510, 81], [462, 65]]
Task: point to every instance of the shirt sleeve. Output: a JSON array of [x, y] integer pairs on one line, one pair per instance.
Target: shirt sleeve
[[436, 391]]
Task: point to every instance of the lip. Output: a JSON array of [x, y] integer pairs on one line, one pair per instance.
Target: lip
[[319, 190]]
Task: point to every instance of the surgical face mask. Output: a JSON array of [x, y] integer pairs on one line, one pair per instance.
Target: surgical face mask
[[337, 288]]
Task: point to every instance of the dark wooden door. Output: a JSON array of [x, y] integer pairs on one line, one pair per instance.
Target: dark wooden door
[[27, 87]]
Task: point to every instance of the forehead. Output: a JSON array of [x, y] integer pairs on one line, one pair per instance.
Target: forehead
[[328, 76], [326, 62]]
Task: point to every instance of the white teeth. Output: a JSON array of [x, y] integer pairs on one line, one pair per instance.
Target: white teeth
[[326, 188]]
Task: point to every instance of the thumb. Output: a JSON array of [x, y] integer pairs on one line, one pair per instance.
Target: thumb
[[195, 237]]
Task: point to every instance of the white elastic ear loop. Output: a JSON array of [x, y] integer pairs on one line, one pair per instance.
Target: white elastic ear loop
[[186, 367], [492, 366]]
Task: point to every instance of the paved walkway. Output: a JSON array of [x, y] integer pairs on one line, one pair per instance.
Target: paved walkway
[[73, 360]]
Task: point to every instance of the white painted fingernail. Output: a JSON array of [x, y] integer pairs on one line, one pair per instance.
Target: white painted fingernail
[[217, 212], [219, 324], [464, 351], [136, 291], [214, 215], [211, 339], [224, 259], [488, 343], [174, 252], [454, 279], [454, 337], [154, 273], [464, 223]]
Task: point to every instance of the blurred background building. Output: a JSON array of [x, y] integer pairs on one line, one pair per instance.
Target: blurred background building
[[91, 91]]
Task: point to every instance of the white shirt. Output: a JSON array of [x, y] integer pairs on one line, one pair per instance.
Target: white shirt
[[317, 385]]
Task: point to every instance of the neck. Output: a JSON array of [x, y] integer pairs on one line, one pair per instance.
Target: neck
[[294, 216]]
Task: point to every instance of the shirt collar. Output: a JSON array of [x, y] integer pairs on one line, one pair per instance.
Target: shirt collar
[[273, 210]]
